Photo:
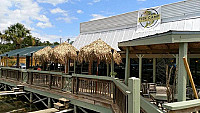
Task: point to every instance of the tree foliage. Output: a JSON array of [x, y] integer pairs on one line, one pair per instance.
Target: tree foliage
[[18, 36]]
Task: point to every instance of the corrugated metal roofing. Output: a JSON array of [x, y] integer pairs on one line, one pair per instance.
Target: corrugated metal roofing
[[115, 36], [170, 12], [24, 51]]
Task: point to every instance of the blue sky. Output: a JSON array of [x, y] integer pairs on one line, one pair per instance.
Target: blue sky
[[54, 19]]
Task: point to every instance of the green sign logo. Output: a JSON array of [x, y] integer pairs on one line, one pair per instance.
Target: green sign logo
[[149, 18]]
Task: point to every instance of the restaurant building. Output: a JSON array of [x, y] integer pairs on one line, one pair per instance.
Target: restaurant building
[[146, 37]]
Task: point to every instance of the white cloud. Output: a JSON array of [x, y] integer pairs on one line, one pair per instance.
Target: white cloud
[[67, 19], [44, 25], [22, 11], [97, 16], [94, 1], [64, 15], [141, 0], [57, 10], [53, 38], [53, 2], [79, 11]]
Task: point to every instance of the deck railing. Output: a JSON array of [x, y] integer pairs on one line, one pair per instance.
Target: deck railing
[[183, 106], [90, 85]]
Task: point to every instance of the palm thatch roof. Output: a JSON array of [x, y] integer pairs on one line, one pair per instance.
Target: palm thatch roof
[[62, 52], [98, 50], [43, 54]]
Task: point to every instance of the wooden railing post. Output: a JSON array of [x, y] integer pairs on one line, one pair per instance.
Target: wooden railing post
[[50, 81], [134, 95], [77, 85], [30, 77], [1, 73]]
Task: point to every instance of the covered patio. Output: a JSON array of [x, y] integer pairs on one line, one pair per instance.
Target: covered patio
[[170, 44]]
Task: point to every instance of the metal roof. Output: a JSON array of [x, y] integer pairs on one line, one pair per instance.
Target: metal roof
[[114, 36], [24, 51], [170, 12]]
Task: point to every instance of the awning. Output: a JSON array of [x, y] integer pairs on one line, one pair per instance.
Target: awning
[[24, 51]]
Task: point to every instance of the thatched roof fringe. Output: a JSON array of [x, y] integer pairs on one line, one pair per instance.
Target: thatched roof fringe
[[98, 50], [43, 54], [62, 52]]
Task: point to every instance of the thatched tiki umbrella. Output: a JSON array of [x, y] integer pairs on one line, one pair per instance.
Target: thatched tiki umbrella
[[98, 51], [43, 55], [62, 53]]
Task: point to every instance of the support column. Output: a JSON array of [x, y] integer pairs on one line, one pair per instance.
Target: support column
[[134, 95], [75, 109], [31, 97], [182, 74], [140, 67], [127, 67], [112, 66], [177, 65], [154, 70], [5, 87], [49, 102]]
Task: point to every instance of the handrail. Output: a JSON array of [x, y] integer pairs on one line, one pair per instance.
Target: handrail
[[92, 85], [186, 106], [148, 107], [119, 84], [92, 77], [122, 86]]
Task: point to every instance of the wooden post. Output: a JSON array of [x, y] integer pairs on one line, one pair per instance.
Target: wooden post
[[0, 60], [154, 70], [107, 69], [127, 67], [182, 74], [6, 60], [75, 109], [31, 60], [17, 60], [134, 95], [31, 97], [49, 102], [90, 67], [190, 77], [74, 66], [66, 65]]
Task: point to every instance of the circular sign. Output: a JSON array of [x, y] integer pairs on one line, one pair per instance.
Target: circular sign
[[149, 18]]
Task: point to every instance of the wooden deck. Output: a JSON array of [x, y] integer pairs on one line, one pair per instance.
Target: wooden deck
[[2, 93], [101, 94], [50, 110]]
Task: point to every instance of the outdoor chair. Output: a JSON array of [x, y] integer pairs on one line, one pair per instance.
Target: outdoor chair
[[151, 88], [144, 89]]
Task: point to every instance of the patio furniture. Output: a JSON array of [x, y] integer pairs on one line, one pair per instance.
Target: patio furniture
[[151, 88]]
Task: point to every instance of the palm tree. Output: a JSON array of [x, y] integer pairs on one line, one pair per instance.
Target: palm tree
[[16, 33]]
